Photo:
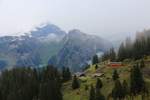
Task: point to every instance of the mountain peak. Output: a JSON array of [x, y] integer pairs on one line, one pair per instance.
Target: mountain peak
[[75, 33], [47, 29]]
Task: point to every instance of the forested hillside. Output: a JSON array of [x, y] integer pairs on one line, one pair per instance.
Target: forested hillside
[[30, 84]]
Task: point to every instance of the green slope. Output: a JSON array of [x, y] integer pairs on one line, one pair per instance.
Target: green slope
[[82, 94]]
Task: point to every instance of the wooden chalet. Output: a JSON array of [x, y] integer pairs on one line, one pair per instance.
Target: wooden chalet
[[98, 75]]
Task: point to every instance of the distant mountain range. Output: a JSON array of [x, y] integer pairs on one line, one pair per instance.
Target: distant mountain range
[[49, 44]]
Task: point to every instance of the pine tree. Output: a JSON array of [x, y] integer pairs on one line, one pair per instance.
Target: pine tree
[[117, 92], [50, 87], [99, 95], [137, 83], [121, 52], [66, 74], [125, 88], [109, 55], [50, 91], [115, 75], [95, 59], [92, 93], [96, 66], [148, 46], [142, 64], [1, 95], [128, 48], [112, 54], [137, 49], [86, 87], [75, 83], [105, 56], [99, 84]]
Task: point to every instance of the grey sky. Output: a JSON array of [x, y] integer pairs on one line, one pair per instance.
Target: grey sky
[[102, 17]]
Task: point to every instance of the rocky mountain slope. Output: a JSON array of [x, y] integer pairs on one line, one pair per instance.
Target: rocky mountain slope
[[33, 49], [50, 44], [78, 50]]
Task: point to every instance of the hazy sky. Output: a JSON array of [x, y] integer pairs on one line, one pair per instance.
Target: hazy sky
[[102, 17]]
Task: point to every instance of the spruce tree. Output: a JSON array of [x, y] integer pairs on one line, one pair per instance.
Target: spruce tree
[[92, 93], [50, 87], [148, 46], [105, 56], [115, 75], [86, 87], [96, 66], [75, 83], [63, 74], [1, 95], [99, 95], [95, 59], [128, 48], [112, 54], [66, 74], [50, 91], [117, 92], [125, 88], [99, 84], [142, 64], [137, 83], [121, 52]]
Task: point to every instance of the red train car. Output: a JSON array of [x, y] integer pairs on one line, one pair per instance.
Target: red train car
[[115, 64]]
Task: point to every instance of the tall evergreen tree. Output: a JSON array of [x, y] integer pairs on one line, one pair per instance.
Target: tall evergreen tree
[[92, 93], [142, 64], [96, 66], [109, 55], [50, 87], [125, 88], [99, 95], [148, 46], [50, 91], [86, 87], [75, 83], [95, 59], [121, 52], [66, 74], [112, 54], [128, 48], [137, 83], [105, 56], [99, 84], [1, 95], [117, 92], [115, 75]]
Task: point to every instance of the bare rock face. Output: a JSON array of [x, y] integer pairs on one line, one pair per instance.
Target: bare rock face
[[48, 44], [32, 49], [78, 48]]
